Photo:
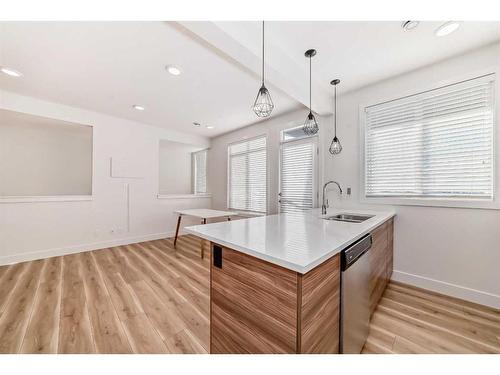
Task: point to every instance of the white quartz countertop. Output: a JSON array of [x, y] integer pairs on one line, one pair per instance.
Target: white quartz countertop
[[297, 241]]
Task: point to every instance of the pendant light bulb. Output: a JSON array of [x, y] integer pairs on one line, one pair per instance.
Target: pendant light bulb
[[263, 105], [335, 146], [311, 126]]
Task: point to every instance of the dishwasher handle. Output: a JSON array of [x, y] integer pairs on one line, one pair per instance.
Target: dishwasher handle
[[355, 251]]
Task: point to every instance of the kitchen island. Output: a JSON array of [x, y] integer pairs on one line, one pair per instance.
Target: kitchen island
[[275, 280]]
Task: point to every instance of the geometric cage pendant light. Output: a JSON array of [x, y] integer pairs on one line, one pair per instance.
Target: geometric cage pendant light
[[310, 126], [263, 105], [335, 146]]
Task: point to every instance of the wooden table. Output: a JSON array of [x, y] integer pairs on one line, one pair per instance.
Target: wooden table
[[203, 214]]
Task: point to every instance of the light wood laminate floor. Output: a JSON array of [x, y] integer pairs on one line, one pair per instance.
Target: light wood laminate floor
[[140, 298], [150, 298], [413, 320]]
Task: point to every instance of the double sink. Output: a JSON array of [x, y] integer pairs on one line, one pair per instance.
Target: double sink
[[349, 218]]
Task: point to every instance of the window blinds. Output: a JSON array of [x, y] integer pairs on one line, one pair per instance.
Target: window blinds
[[297, 174], [248, 175], [437, 144], [200, 172]]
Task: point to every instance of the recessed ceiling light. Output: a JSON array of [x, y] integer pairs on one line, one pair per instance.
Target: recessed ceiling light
[[138, 107], [409, 25], [447, 28], [197, 124], [175, 71], [210, 127], [10, 72]]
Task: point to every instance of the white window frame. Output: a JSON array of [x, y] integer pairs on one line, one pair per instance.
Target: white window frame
[[195, 169], [316, 159], [434, 202], [228, 177]]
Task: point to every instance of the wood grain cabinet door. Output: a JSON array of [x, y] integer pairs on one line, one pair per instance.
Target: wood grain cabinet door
[[320, 308], [381, 260], [378, 264], [253, 305], [390, 249], [259, 307]]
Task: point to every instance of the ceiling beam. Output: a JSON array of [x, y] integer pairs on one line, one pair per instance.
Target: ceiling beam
[[282, 73]]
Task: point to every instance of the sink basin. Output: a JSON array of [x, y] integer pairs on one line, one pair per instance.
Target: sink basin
[[349, 218]]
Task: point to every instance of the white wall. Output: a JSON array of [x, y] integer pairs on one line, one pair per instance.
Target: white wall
[[450, 250], [44, 157], [217, 156], [175, 168], [41, 229]]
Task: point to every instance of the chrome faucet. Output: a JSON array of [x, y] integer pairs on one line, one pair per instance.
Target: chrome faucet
[[324, 206]]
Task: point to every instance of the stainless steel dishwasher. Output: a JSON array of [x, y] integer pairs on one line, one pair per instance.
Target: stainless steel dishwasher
[[355, 296]]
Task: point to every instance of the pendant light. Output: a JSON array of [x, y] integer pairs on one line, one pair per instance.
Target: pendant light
[[263, 105], [335, 147], [310, 125]]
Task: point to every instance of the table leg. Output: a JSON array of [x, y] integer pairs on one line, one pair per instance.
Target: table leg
[[204, 221], [177, 230]]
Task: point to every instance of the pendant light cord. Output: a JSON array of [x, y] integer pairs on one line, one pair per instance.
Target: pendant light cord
[[335, 111], [310, 79], [263, 53]]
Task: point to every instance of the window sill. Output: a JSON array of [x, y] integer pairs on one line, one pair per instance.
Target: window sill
[[183, 196], [56, 198], [435, 202]]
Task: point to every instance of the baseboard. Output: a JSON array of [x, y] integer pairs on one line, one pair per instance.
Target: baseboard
[[24, 257], [457, 291]]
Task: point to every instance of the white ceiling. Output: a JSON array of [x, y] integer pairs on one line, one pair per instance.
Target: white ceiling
[[110, 66], [358, 53]]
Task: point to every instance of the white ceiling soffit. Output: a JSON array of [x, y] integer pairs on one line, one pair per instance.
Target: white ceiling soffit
[[109, 67], [358, 53], [242, 43]]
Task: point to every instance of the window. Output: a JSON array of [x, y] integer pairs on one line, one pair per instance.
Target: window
[[293, 134], [247, 175], [200, 172], [297, 170], [182, 170], [44, 158], [436, 144]]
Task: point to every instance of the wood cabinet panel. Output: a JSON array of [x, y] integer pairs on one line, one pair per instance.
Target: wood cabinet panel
[[379, 238], [377, 264], [259, 307], [260, 274], [381, 255], [320, 308], [253, 306], [264, 311], [377, 267], [390, 249], [250, 332]]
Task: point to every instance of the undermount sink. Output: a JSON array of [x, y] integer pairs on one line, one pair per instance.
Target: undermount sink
[[349, 218]]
